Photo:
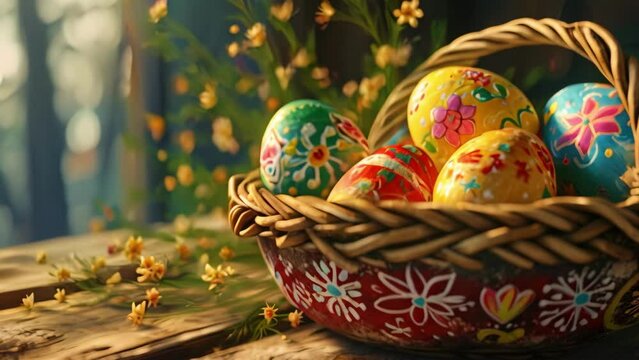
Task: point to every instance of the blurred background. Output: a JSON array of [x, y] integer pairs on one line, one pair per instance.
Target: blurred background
[[81, 82]]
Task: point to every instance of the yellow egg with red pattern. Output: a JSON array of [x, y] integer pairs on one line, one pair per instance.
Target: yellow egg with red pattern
[[454, 104], [499, 166]]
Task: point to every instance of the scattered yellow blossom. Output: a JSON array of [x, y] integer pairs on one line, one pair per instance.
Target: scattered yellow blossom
[[369, 89], [301, 59], [133, 247], [269, 312], [185, 175], [226, 253], [233, 49], [216, 275], [204, 259], [219, 174], [153, 296], [272, 103], [150, 270], [284, 75], [205, 243], [283, 11], [98, 263], [234, 29], [321, 74], [180, 84], [137, 313], [183, 250], [162, 155], [244, 84], [63, 274], [116, 278], [408, 13], [263, 90], [170, 182], [350, 87], [158, 11], [60, 295], [28, 301], [202, 191], [295, 318], [388, 55], [208, 97], [256, 35], [96, 225], [182, 224], [223, 135], [156, 125], [187, 141], [324, 13], [41, 257]]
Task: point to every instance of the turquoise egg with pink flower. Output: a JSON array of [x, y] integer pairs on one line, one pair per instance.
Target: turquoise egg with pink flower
[[588, 133], [307, 146]]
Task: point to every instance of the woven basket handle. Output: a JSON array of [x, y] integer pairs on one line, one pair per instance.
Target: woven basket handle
[[585, 38]]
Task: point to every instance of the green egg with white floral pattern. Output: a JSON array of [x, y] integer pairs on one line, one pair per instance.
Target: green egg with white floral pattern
[[307, 147]]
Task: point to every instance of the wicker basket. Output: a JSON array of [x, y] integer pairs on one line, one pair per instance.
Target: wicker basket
[[550, 238]]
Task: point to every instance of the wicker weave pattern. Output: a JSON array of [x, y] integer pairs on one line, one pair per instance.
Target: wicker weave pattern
[[547, 232]]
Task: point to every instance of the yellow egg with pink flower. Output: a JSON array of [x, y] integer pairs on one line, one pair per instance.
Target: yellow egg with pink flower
[[454, 104]]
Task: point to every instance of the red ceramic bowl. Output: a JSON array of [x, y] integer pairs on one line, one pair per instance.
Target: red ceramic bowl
[[423, 307]]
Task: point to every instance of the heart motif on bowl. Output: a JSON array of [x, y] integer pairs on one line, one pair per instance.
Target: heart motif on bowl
[[505, 304]]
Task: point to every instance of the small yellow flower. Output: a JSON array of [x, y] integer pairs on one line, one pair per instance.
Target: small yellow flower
[[216, 275], [182, 249], [223, 135], [388, 55], [28, 301], [350, 88], [220, 174], [170, 182], [41, 257], [324, 13], [226, 253], [153, 296], [208, 97], [204, 259], [63, 274], [369, 89], [295, 318], [256, 35], [185, 175], [156, 125], [162, 155], [98, 263], [284, 75], [269, 312], [233, 49], [180, 84], [137, 313], [133, 247], [321, 74], [244, 85], [202, 191], [150, 270], [283, 11], [301, 59], [182, 224], [96, 225], [116, 278], [187, 141], [60, 295], [408, 12], [234, 29], [158, 11]]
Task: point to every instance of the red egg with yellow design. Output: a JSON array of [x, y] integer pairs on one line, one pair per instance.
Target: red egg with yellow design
[[500, 166], [391, 173]]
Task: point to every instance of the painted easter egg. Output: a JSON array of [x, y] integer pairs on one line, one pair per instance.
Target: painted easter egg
[[588, 133], [500, 166], [391, 173], [454, 104], [307, 147]]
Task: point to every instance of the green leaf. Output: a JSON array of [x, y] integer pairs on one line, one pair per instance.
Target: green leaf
[[533, 77], [502, 90], [438, 29], [430, 147], [482, 94]]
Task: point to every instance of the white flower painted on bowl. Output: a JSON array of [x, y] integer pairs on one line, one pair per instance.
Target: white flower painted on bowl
[[424, 300], [331, 285], [397, 329], [575, 299]]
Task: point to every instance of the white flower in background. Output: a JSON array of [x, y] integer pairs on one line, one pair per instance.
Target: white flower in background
[[575, 299], [423, 299], [331, 285]]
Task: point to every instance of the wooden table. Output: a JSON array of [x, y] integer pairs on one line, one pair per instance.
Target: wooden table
[[88, 326]]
